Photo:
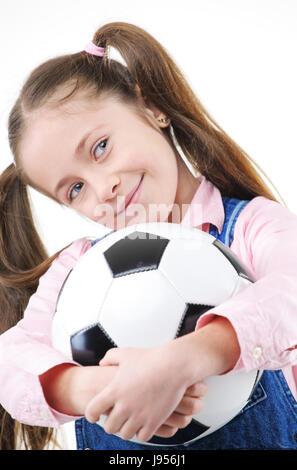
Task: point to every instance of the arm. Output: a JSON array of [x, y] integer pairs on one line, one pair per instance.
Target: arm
[[26, 351], [85, 383], [264, 315]]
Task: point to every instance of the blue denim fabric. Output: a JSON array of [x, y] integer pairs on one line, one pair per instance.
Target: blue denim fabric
[[267, 422]]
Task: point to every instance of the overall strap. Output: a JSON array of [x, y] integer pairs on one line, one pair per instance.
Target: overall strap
[[101, 238], [232, 208]]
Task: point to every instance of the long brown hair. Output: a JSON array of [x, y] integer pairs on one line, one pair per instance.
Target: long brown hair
[[23, 260], [149, 69]]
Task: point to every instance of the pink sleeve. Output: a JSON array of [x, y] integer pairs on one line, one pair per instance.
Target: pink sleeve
[[26, 351], [264, 315]]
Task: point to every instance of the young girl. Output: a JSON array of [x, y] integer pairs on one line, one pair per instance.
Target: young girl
[[99, 137]]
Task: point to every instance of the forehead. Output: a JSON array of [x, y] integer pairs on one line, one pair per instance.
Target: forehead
[[57, 119]]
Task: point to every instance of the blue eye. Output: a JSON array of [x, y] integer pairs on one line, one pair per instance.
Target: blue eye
[[97, 152], [75, 190], [99, 148]]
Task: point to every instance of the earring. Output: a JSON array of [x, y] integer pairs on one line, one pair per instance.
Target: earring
[[163, 120]]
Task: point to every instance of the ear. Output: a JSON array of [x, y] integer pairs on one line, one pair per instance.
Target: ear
[[158, 116]]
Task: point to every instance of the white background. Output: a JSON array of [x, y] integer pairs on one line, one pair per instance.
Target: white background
[[238, 55]]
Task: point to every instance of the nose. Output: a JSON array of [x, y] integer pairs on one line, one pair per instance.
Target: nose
[[106, 189]]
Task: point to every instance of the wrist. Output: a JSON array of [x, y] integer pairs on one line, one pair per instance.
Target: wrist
[[57, 385], [68, 388], [211, 350]]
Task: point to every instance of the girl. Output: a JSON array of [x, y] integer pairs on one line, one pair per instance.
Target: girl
[[89, 132]]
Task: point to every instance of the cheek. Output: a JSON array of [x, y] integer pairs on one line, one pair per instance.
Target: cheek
[[88, 206], [169, 174]]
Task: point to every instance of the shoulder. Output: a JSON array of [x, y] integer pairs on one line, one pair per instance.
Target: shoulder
[[77, 248], [262, 214], [264, 226], [265, 238], [70, 255]]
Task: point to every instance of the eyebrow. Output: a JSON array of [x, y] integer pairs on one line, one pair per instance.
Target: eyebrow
[[78, 149], [60, 184], [82, 143]]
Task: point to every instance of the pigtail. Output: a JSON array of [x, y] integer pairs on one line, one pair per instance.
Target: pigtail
[[21, 249], [23, 259], [205, 144]]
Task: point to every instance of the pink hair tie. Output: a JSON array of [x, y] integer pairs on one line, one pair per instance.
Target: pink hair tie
[[94, 50]]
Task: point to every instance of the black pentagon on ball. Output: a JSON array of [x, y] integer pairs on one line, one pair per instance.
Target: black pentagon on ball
[[190, 317], [190, 432], [88, 346], [137, 252], [239, 267]]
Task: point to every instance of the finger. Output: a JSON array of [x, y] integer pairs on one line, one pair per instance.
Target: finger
[[178, 420], [144, 434], [128, 429], [115, 421], [198, 389], [166, 431], [99, 405], [189, 406]]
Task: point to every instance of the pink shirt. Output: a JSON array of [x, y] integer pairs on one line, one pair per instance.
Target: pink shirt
[[264, 315]]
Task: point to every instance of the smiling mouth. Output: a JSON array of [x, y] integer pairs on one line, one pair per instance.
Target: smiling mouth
[[131, 197]]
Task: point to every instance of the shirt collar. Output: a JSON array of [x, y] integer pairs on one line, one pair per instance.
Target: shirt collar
[[206, 207]]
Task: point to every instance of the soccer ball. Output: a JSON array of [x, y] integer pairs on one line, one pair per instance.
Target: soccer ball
[[146, 285]]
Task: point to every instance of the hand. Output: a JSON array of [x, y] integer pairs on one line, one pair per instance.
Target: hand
[[145, 392], [190, 404]]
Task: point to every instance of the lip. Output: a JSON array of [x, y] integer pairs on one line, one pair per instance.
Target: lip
[[133, 196]]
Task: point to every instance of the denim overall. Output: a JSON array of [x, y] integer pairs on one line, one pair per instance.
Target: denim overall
[[268, 421]]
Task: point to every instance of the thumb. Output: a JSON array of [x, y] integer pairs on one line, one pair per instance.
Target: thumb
[[111, 358]]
